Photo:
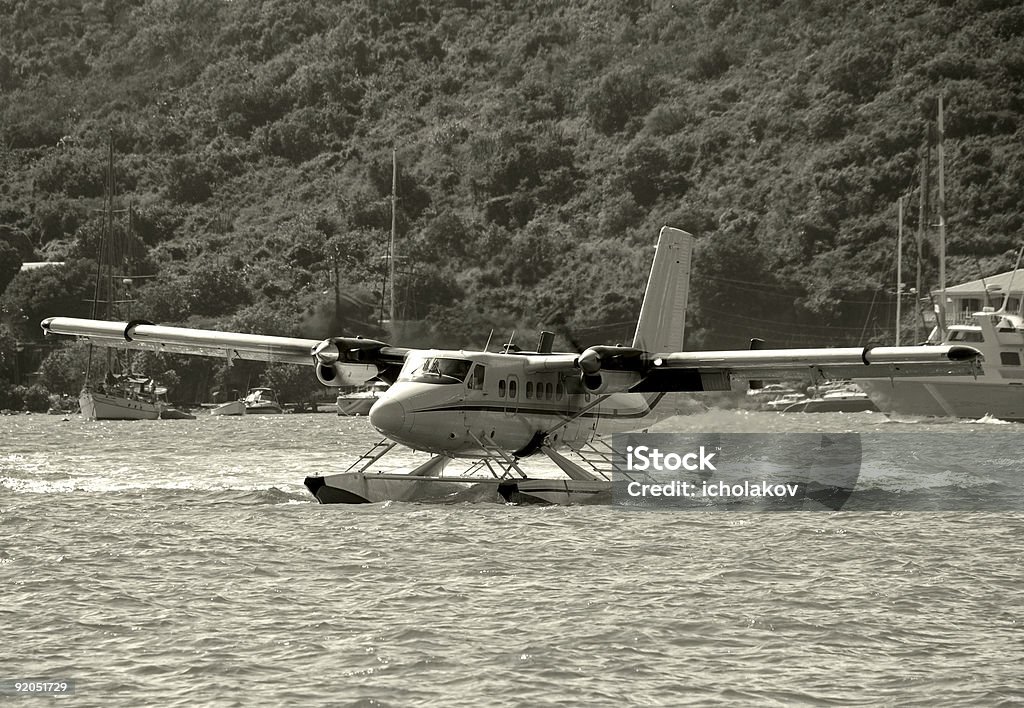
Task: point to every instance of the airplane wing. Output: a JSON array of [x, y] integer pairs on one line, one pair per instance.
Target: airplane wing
[[607, 369], [339, 360], [354, 360], [713, 371]]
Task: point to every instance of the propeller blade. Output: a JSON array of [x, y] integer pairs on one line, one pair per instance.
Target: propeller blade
[[326, 352]]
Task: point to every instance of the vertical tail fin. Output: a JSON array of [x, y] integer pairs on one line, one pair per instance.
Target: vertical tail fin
[[663, 313]]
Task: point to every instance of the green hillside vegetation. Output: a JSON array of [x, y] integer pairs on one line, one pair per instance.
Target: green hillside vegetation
[[541, 146]]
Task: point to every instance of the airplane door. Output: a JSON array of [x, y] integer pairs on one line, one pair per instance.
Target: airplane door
[[512, 400]]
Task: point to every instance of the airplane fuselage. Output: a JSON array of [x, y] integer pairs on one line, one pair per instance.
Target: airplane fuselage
[[467, 404]]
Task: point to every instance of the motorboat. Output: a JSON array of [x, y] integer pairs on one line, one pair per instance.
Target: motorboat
[[360, 401], [783, 402], [847, 398], [256, 401], [261, 401]]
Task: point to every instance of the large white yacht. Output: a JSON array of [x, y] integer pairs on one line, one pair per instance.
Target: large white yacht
[[997, 332]]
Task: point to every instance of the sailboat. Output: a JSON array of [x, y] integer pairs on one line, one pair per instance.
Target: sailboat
[[125, 397], [119, 395]]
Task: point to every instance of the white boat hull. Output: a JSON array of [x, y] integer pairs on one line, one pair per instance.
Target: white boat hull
[[948, 398], [263, 409], [100, 406], [355, 406], [229, 408], [175, 414]]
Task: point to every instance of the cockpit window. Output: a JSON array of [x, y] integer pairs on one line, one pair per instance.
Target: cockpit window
[[438, 370]]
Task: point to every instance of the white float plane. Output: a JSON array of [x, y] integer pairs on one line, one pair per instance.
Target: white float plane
[[502, 407]]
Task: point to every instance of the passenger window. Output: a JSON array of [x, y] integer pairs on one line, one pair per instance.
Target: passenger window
[[558, 391], [547, 391], [529, 389], [512, 389], [501, 388]]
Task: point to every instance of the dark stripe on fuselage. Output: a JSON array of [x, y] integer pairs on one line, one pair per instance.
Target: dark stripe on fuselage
[[521, 410]]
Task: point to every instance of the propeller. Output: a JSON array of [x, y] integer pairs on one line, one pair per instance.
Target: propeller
[[593, 360], [326, 352], [348, 350], [613, 358]]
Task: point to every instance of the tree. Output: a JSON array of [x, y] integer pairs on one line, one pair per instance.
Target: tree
[[63, 370], [35, 398], [189, 180], [619, 97], [11, 397], [10, 264], [36, 294], [293, 383], [8, 352]]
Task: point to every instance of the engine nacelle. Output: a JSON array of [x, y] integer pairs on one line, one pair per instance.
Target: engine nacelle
[[609, 381], [342, 374], [338, 361]]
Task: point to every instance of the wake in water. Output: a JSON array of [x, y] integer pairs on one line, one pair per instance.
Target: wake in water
[[989, 419], [915, 464]]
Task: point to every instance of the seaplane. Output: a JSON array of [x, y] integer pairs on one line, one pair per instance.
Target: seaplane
[[498, 409]]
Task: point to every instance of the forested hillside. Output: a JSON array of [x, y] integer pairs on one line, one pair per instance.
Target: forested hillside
[[541, 145]]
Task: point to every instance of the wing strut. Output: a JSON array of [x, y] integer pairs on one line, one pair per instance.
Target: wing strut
[[510, 462], [577, 414]]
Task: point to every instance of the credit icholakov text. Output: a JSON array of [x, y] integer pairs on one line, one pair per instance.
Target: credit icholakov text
[[643, 459]]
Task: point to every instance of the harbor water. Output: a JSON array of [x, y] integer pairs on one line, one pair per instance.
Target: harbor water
[[182, 563]]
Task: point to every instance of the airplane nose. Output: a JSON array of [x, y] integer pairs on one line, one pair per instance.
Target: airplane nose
[[387, 416]]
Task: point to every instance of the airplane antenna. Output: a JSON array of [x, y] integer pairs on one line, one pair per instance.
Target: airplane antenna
[[489, 339], [508, 347]]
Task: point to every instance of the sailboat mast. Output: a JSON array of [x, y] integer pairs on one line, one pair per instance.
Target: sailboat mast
[[391, 248], [110, 239], [922, 226], [942, 225], [899, 268], [104, 249]]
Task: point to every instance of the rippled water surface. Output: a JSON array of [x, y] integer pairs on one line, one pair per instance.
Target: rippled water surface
[[183, 563]]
